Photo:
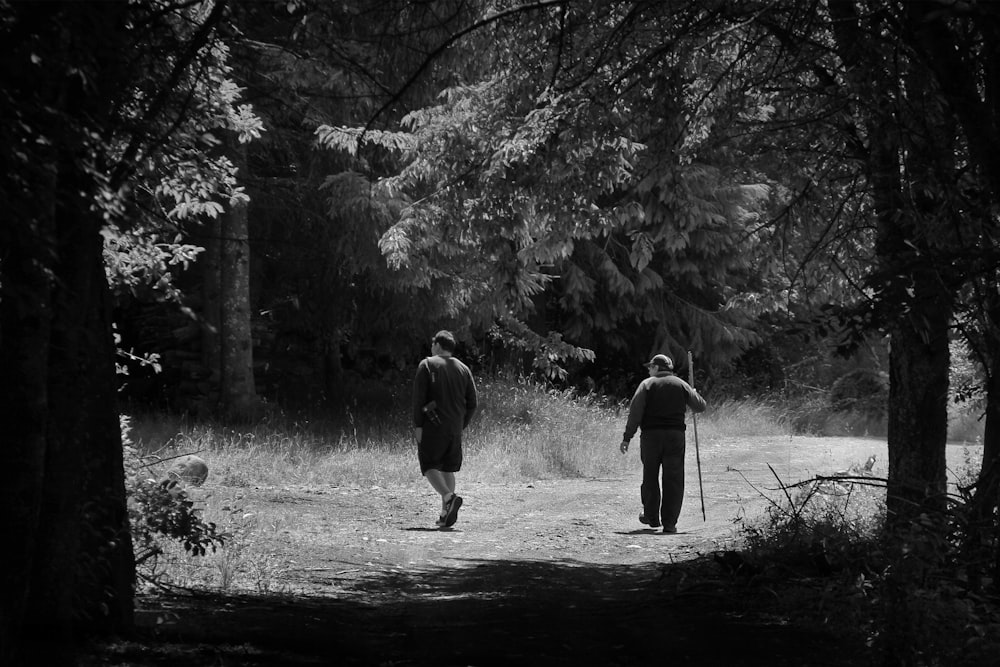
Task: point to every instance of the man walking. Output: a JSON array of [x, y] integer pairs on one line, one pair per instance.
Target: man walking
[[444, 400], [658, 407]]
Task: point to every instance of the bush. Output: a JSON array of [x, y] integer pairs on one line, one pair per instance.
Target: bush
[[823, 550], [863, 392], [160, 510]]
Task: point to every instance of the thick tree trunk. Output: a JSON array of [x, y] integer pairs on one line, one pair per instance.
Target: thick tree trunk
[[238, 396], [918, 415], [989, 476], [916, 303], [25, 325], [82, 573], [974, 97], [919, 309], [914, 244], [68, 567], [227, 340], [984, 515]]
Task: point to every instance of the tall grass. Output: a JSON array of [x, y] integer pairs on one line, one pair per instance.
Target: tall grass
[[735, 418], [522, 431]]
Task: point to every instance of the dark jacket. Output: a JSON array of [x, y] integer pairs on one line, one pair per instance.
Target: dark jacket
[[659, 403], [446, 383]]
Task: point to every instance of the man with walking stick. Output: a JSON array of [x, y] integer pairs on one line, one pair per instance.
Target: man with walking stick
[[658, 408]]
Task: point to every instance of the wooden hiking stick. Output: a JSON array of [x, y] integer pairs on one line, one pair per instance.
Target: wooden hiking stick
[[694, 422]]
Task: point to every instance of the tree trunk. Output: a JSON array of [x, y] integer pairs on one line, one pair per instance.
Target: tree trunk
[[68, 568], [915, 244], [211, 306], [82, 573], [25, 325], [974, 97], [984, 514], [915, 302], [987, 498], [920, 310], [918, 415], [227, 340], [238, 396]]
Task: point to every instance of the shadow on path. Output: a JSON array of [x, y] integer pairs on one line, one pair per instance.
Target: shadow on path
[[486, 612]]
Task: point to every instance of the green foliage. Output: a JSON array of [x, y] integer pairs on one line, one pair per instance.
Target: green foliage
[[822, 549], [935, 609], [966, 377], [138, 263], [862, 391], [568, 202], [161, 510], [320, 279], [549, 354], [187, 180]]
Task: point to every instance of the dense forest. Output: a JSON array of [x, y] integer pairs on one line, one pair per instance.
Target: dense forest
[[211, 206]]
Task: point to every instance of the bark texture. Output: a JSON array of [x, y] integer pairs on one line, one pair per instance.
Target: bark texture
[[68, 569], [238, 395]]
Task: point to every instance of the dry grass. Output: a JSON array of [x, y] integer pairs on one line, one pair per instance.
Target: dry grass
[[523, 431], [742, 418]]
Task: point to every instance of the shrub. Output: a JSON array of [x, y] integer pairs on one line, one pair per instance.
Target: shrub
[[823, 544], [863, 391], [160, 510]]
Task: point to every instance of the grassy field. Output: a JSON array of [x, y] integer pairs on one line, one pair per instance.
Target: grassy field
[[523, 432], [523, 436]]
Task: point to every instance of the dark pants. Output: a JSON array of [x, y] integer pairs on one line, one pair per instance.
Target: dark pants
[[440, 449], [662, 450]]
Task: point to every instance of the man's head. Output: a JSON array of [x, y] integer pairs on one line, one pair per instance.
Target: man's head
[[660, 362], [445, 340]]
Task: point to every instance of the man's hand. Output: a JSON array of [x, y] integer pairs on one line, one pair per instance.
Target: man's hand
[[417, 432], [624, 446]]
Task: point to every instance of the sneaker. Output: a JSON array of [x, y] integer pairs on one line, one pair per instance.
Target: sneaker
[[670, 529], [652, 523], [452, 515], [440, 522]]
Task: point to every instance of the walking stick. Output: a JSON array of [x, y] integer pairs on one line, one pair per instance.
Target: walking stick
[[694, 422]]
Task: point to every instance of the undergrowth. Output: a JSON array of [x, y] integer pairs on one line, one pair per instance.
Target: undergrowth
[[822, 552]]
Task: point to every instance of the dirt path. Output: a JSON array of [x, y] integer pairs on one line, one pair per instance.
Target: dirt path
[[554, 572], [344, 536], [549, 572], [358, 534]]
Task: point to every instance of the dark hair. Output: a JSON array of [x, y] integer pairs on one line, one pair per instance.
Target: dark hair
[[446, 340]]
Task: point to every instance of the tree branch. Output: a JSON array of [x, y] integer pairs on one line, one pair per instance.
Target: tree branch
[[445, 45], [200, 38]]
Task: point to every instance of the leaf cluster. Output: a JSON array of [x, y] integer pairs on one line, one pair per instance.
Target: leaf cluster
[[560, 183], [161, 509]]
